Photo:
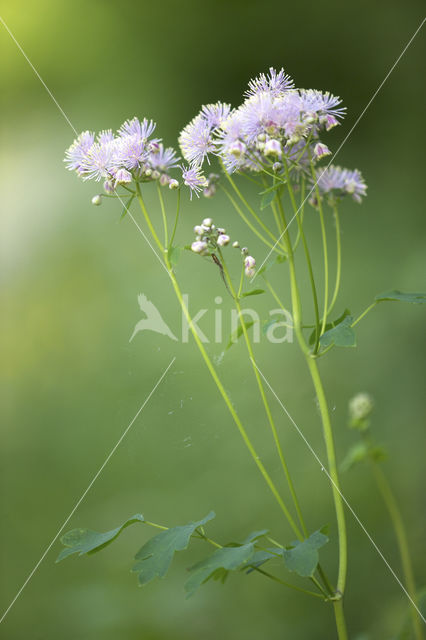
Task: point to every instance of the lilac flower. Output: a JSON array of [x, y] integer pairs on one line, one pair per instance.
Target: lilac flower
[[196, 140], [274, 83], [76, 153], [342, 182], [131, 151], [260, 115], [98, 162], [321, 150], [122, 176], [105, 136], [134, 126], [193, 178], [324, 105], [163, 159], [216, 114]]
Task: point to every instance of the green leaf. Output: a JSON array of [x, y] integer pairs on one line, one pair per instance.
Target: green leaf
[[174, 255], [267, 198], [87, 541], [303, 557], [127, 206], [255, 292], [330, 325], [262, 556], [238, 333], [359, 453], [414, 298], [155, 557], [342, 335], [218, 565]]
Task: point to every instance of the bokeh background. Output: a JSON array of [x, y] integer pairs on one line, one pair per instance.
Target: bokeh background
[[71, 381]]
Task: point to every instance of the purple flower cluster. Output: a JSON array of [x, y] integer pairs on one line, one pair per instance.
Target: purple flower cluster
[[276, 123], [130, 155], [338, 182]]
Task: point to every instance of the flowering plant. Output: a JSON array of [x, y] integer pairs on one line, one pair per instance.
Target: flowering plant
[[273, 139]]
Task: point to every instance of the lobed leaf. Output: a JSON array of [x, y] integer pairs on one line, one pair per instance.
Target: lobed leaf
[[156, 555], [395, 295], [341, 335], [330, 325], [126, 206], [218, 565], [87, 541], [303, 557], [254, 292]]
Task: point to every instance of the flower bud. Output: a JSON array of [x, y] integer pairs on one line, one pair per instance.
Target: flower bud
[[97, 200], [199, 246], [209, 191], [321, 150], [199, 230], [223, 240], [164, 179], [148, 173], [236, 244], [244, 251], [360, 407], [173, 184], [207, 222], [109, 186], [273, 148], [249, 262], [122, 176], [237, 148], [155, 175], [277, 166]]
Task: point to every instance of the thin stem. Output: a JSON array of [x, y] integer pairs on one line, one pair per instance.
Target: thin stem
[[324, 244], [249, 208], [364, 313], [340, 620], [147, 218], [401, 536], [163, 213], [249, 224], [277, 300], [338, 258], [267, 409], [307, 257], [176, 220], [240, 286]]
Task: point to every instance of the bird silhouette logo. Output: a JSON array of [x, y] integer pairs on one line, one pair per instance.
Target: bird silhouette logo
[[153, 320]]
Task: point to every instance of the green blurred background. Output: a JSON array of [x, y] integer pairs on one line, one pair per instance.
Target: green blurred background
[[70, 276]]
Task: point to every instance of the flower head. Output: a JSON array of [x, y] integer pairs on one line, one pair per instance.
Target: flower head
[[76, 153], [340, 182], [274, 83], [193, 178]]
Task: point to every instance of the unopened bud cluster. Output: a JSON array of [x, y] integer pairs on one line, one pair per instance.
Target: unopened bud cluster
[[360, 408], [209, 237]]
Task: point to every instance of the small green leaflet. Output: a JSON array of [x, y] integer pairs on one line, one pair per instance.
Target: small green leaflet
[[341, 336], [303, 557], [414, 298], [126, 207], [218, 565], [262, 556], [267, 198], [360, 452], [155, 557], [330, 325], [238, 333], [254, 292], [174, 255], [84, 541]]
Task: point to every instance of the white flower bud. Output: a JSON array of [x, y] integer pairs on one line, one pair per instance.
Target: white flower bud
[[207, 222], [223, 240], [360, 406], [249, 262], [237, 148], [277, 166], [244, 251], [199, 230], [173, 184], [148, 173], [155, 175], [199, 246], [97, 200], [236, 244], [164, 180], [273, 148]]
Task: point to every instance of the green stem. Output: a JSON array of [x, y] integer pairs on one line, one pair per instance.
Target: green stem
[[147, 218], [249, 208], [277, 300], [163, 213], [176, 220], [249, 224], [329, 442], [364, 313], [401, 536], [307, 257], [324, 244], [267, 409], [338, 258]]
